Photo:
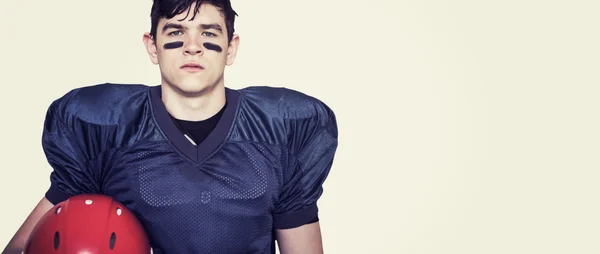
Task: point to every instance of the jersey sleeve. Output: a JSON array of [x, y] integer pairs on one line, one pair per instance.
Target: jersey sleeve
[[313, 151], [68, 156]]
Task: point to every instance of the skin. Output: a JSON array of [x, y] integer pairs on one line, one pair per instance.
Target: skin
[[188, 95], [301, 240], [191, 95], [19, 239]]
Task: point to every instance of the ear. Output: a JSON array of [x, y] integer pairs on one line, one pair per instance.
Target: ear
[[151, 47], [232, 49]]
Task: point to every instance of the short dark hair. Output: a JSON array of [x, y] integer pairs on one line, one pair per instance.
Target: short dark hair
[[170, 8]]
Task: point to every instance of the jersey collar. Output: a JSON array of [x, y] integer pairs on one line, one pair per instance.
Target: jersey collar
[[177, 138]]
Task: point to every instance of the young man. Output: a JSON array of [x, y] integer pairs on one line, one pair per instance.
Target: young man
[[207, 169]]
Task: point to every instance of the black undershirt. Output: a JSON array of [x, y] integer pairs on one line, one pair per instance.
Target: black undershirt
[[199, 130]]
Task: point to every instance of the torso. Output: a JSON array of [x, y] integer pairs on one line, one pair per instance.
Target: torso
[[217, 197]]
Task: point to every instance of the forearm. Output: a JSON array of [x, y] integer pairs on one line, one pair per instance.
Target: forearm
[[16, 245], [19, 240], [12, 250]]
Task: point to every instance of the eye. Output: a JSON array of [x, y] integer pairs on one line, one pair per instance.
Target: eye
[[175, 33], [209, 34]]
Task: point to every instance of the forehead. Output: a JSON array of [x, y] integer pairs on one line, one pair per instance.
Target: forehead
[[207, 13]]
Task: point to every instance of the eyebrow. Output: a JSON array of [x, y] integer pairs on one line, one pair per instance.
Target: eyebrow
[[168, 26], [214, 26]]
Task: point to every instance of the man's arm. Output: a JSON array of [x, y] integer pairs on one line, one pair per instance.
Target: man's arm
[[18, 241], [68, 154], [313, 143], [305, 239]]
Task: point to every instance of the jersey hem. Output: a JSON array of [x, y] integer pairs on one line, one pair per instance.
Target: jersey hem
[[54, 195], [296, 219]]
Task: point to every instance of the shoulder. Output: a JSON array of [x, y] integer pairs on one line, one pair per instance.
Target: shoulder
[[302, 117], [96, 118], [289, 104], [102, 104]]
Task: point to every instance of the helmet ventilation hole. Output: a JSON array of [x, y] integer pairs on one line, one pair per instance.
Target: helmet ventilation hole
[[113, 239], [56, 240], [88, 202], [119, 211], [58, 209]]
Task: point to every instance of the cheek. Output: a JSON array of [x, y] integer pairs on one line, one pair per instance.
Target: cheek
[[173, 45], [168, 64], [213, 47], [167, 56]]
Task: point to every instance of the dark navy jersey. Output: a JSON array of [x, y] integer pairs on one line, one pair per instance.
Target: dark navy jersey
[[261, 168]]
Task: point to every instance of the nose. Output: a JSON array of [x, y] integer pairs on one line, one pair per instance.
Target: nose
[[192, 47]]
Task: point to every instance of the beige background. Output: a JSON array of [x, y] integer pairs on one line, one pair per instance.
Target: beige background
[[466, 127]]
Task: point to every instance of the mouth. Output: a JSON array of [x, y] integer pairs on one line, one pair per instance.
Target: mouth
[[192, 67]]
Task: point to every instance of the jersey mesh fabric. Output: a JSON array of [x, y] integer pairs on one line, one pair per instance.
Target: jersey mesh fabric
[[260, 169], [226, 198]]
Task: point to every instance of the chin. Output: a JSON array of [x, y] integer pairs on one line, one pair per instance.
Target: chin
[[192, 87]]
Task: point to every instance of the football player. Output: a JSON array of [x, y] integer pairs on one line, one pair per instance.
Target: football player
[[205, 168]]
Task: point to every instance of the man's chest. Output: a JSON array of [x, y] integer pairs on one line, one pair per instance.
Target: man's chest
[[224, 202]]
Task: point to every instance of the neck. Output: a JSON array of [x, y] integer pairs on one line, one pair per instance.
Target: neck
[[193, 107]]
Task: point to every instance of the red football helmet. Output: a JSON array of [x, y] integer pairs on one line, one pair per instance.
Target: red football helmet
[[90, 224]]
